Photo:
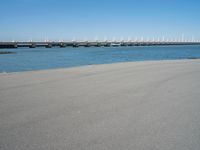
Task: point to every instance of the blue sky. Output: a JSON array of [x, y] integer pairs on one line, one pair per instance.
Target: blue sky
[[87, 19]]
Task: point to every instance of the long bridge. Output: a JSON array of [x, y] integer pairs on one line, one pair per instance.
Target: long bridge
[[4, 45]]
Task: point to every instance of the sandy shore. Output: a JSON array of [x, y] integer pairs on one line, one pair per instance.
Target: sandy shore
[[125, 106]]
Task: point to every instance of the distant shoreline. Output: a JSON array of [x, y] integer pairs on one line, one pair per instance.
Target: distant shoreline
[[6, 52]]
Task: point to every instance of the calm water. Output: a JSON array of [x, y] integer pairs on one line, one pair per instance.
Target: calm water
[[41, 58]]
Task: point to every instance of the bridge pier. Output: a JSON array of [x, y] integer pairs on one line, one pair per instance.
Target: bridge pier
[[48, 46], [62, 45], [32, 46], [106, 45], [14, 46], [124, 44], [75, 45], [87, 45], [9, 46], [98, 45]]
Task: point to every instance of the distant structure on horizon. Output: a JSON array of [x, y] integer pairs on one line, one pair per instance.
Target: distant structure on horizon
[[101, 43]]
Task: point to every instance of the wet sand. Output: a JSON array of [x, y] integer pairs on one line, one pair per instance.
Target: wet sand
[[153, 105]]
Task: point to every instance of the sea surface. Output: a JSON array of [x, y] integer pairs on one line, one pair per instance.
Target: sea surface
[[26, 59]]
